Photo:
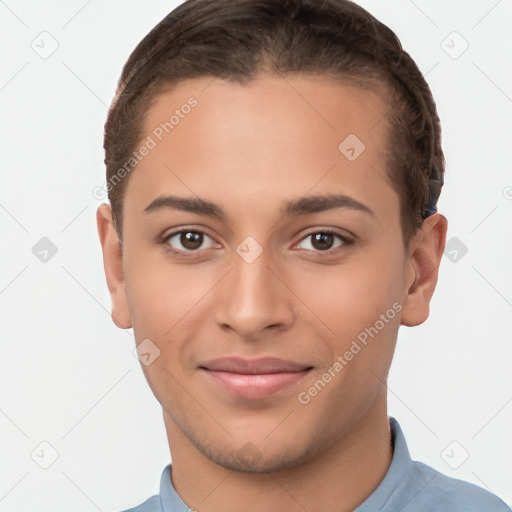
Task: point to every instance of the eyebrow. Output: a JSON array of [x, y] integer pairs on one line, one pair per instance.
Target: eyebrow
[[303, 206]]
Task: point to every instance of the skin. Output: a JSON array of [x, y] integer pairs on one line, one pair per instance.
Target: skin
[[249, 149]]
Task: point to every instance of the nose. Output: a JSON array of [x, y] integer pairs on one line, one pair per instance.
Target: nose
[[254, 298]]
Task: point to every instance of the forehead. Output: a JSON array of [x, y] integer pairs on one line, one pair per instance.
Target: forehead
[[275, 136]]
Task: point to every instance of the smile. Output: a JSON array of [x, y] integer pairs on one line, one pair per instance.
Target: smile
[[253, 379]]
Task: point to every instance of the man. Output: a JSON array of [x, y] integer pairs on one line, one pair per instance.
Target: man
[[273, 169]]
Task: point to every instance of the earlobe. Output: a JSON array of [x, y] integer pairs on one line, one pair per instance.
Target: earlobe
[[113, 265], [423, 260]]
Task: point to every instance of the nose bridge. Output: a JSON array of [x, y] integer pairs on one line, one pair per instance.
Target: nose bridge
[[252, 298]]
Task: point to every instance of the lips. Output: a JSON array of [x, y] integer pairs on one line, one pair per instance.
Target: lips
[[263, 365], [253, 378]]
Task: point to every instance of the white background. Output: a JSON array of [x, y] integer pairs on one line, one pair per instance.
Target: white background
[[68, 375]]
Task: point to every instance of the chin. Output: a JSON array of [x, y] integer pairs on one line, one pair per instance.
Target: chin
[[250, 459]]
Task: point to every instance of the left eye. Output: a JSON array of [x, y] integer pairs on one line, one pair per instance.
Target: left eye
[[190, 240], [323, 241]]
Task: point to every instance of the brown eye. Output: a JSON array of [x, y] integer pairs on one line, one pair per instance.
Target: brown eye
[[189, 241], [323, 241]]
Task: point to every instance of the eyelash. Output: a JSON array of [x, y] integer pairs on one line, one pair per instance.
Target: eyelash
[[346, 241]]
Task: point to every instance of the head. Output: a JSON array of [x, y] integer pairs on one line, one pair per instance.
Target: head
[[301, 147]]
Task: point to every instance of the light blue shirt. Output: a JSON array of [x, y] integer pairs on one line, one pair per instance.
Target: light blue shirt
[[408, 486]]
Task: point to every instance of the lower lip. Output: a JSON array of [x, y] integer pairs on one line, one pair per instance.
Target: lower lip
[[254, 386]]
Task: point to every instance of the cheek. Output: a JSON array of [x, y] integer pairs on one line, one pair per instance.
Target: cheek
[[346, 299], [168, 302], [155, 295]]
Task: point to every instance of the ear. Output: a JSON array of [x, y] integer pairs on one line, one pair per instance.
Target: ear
[[423, 260], [113, 264]]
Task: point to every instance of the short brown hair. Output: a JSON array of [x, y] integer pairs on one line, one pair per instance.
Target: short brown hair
[[237, 39]]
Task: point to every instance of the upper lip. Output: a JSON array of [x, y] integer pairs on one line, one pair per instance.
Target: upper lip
[[253, 366]]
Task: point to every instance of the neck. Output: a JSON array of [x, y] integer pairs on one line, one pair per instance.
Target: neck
[[339, 479]]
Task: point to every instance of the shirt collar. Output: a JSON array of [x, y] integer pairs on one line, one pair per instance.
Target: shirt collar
[[169, 498], [397, 477]]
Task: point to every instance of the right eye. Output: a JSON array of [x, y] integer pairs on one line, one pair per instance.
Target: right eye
[[188, 240]]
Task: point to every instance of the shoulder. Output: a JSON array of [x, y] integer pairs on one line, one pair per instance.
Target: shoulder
[[443, 493], [152, 504]]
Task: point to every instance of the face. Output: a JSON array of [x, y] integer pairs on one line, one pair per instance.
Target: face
[[263, 259]]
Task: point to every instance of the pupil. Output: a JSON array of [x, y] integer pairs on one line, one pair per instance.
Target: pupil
[[191, 239], [322, 241]]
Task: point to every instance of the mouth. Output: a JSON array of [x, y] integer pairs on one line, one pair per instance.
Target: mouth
[[253, 379]]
